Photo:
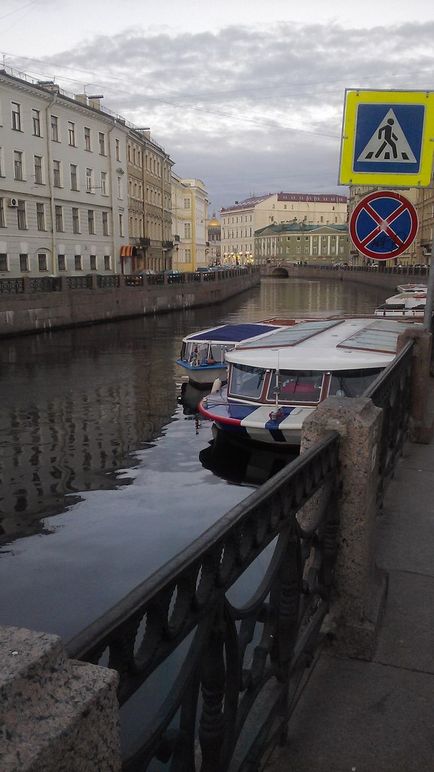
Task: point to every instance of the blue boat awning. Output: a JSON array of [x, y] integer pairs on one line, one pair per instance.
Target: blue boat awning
[[232, 332]]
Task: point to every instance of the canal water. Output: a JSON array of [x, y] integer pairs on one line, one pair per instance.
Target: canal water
[[105, 475]]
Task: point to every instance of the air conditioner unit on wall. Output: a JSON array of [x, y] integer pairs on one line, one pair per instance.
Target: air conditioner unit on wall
[[13, 202]]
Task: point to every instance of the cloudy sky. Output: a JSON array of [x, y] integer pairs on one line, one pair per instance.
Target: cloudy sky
[[245, 95]]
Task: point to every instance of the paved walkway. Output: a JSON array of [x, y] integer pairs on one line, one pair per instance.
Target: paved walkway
[[378, 716]]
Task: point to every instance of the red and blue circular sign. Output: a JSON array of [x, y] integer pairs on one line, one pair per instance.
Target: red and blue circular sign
[[383, 225]]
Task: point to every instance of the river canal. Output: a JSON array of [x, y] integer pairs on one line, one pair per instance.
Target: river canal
[[104, 474]]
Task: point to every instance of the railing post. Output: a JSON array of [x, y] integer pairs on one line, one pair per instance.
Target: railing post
[[55, 713], [360, 587], [419, 429]]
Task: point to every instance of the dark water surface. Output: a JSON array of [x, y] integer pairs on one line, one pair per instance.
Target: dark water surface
[[103, 475]]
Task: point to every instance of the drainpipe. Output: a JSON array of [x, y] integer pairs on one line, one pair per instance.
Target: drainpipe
[[50, 184], [111, 162]]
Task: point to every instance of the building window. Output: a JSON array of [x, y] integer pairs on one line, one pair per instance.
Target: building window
[[107, 263], [101, 140], [77, 262], [61, 263], [104, 183], [74, 178], [118, 149], [89, 180], [71, 133], [40, 216], [187, 230], [87, 145], [54, 128], [121, 225], [91, 221], [18, 165], [92, 262], [16, 116], [188, 255], [119, 184], [3, 262], [24, 262], [42, 262], [56, 174], [36, 121], [187, 203], [59, 218], [2, 213], [105, 224], [21, 215], [75, 220], [38, 169]]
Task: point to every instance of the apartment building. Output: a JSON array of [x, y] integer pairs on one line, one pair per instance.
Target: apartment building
[[189, 224], [425, 210], [63, 197], [149, 202], [240, 221]]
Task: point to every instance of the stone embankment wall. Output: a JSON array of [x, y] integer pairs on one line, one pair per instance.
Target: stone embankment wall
[[38, 311], [388, 279]]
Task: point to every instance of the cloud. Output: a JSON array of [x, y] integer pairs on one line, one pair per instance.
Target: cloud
[[248, 109]]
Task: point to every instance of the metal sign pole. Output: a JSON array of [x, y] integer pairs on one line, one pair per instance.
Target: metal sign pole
[[427, 319]]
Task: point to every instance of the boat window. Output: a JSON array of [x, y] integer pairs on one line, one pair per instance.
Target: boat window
[[217, 351], [195, 353], [352, 383], [295, 386], [246, 381]]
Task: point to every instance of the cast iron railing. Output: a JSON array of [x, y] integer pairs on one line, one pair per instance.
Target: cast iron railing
[[391, 391], [236, 685]]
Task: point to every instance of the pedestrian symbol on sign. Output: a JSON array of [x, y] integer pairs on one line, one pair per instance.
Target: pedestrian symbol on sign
[[388, 143]]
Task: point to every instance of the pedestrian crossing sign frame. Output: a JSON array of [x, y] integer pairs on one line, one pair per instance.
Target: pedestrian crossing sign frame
[[387, 138]]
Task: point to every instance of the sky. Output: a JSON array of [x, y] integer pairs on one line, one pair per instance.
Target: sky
[[247, 96]]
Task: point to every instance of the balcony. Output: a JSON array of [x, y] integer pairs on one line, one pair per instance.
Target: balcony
[[167, 244], [144, 242]]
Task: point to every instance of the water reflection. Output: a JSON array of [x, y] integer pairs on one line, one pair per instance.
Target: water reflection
[[77, 404], [242, 463]]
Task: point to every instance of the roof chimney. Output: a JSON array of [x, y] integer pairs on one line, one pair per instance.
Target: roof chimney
[[95, 101], [81, 98], [49, 85]]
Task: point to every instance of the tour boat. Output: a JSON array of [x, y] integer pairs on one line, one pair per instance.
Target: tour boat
[[412, 287], [203, 353], [275, 382], [404, 305]]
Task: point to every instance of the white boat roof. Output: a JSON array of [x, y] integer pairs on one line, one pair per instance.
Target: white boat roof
[[338, 344]]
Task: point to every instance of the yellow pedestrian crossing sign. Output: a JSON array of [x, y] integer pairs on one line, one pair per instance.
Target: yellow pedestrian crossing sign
[[387, 138]]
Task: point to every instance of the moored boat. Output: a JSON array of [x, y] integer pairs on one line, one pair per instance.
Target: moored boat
[[404, 305], [276, 382], [202, 356], [412, 287]]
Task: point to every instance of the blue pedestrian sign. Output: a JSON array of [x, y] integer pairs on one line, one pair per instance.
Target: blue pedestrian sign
[[388, 138]]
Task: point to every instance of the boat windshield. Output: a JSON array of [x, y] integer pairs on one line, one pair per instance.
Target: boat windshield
[[352, 383], [295, 386], [246, 381], [204, 353]]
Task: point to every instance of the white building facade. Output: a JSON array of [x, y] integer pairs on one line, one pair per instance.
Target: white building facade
[[63, 192], [240, 221]]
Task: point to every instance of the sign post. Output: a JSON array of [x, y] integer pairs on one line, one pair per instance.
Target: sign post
[[388, 142]]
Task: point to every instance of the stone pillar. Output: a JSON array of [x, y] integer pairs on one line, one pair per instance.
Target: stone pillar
[[360, 588], [420, 429], [56, 714]]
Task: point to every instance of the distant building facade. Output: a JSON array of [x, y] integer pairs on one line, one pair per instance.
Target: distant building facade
[[63, 196], [189, 224], [243, 219], [294, 242], [214, 241], [425, 210]]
